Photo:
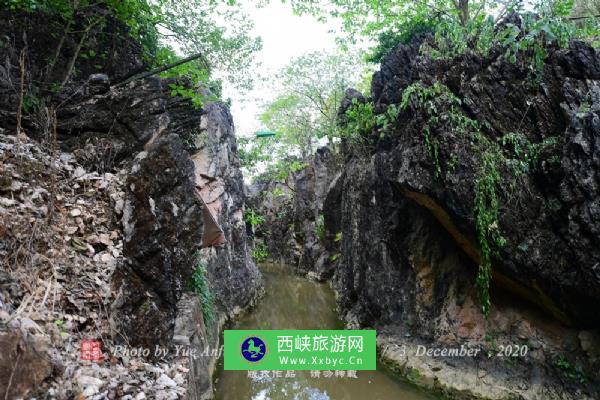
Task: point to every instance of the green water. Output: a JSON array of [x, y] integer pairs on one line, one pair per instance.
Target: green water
[[292, 302]]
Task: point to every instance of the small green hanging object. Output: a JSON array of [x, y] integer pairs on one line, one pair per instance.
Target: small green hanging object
[[262, 134]]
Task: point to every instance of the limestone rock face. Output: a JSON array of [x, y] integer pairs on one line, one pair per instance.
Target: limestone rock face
[[293, 230], [312, 184], [192, 334], [188, 153], [183, 148], [409, 247], [234, 278], [118, 56], [163, 228], [550, 219], [194, 154]]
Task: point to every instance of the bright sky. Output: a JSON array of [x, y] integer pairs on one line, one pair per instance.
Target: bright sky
[[285, 36]]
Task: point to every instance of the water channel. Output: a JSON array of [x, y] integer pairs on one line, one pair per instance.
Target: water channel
[[293, 302]]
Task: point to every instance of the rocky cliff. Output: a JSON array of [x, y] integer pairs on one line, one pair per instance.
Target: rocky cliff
[[164, 160], [293, 214], [234, 278], [487, 162]]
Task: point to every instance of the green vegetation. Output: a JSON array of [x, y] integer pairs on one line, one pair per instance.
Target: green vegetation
[[311, 88], [361, 122], [452, 120], [526, 154], [199, 285], [251, 217], [277, 192], [259, 252], [491, 338], [217, 30], [487, 213], [572, 372], [461, 25], [432, 99], [414, 375], [304, 112], [320, 227], [499, 164], [388, 40]]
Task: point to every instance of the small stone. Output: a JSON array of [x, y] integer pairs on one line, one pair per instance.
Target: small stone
[[79, 172], [76, 212], [89, 381], [140, 396], [106, 258], [104, 238], [165, 381], [119, 206], [590, 343], [7, 202], [90, 391], [15, 186], [28, 325], [178, 378]]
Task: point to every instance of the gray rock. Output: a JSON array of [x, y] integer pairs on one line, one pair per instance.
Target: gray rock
[[160, 246], [409, 249]]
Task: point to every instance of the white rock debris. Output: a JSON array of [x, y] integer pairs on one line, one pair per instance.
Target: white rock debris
[[61, 245]]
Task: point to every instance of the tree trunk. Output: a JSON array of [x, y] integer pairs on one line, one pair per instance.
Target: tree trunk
[[463, 11]]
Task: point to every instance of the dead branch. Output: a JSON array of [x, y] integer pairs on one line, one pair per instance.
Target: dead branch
[[583, 17], [53, 148], [84, 36], [12, 374], [57, 51], [21, 91], [161, 69]]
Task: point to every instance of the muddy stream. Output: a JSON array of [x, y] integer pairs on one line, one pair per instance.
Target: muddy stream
[[293, 302]]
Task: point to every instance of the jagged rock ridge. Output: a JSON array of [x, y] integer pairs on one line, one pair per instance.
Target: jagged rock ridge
[[409, 249]]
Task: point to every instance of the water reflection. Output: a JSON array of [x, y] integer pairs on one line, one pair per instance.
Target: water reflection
[[292, 302]]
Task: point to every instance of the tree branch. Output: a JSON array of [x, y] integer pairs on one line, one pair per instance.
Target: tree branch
[[161, 69], [584, 17]]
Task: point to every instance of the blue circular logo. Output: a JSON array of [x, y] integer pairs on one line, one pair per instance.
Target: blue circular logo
[[253, 349]]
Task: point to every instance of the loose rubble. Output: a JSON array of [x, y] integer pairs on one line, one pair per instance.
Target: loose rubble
[[60, 241]]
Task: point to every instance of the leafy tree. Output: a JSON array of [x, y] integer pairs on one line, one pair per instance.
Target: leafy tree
[[294, 124], [254, 153], [457, 24], [374, 17], [304, 112], [218, 29], [311, 89]]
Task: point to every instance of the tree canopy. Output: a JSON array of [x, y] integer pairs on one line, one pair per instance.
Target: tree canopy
[[304, 112], [455, 23], [170, 29]]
